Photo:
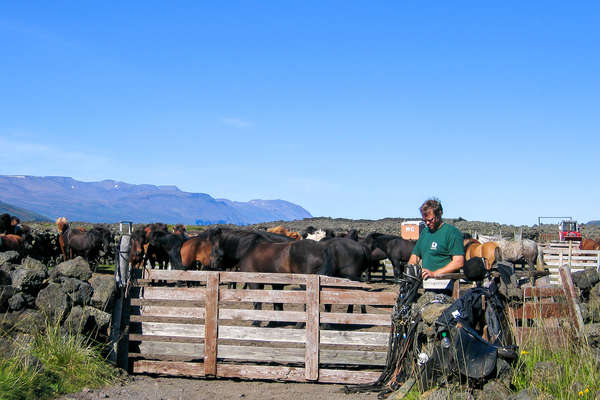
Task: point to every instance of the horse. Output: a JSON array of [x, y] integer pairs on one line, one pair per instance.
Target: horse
[[316, 235], [11, 242], [170, 243], [87, 243], [180, 230], [396, 248], [155, 255], [589, 244], [523, 251], [237, 243], [62, 224], [295, 257], [5, 224], [203, 250], [281, 230], [489, 251]]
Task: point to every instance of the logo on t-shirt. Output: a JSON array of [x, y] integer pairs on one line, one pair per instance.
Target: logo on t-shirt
[[433, 246]]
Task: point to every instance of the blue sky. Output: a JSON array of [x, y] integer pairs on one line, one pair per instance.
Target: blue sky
[[349, 109]]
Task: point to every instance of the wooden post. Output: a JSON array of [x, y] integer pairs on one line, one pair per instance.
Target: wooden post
[[211, 324], [456, 289], [570, 252], [312, 327], [571, 296]]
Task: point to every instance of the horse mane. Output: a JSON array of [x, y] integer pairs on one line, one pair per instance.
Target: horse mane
[[62, 224]]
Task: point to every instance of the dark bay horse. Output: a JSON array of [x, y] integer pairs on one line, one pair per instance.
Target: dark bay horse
[[86, 243], [396, 248], [296, 257]]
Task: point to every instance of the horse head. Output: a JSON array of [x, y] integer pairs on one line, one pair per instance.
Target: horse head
[[216, 251]]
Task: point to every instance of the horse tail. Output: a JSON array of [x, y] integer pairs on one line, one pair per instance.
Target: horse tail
[[328, 266]]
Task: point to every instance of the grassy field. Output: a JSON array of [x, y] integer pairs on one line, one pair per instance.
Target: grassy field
[[50, 364]]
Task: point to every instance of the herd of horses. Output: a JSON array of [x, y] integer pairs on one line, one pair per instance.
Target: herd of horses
[[312, 251]]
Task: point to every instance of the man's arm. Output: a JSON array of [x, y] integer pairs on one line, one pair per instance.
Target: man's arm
[[414, 259], [454, 265]]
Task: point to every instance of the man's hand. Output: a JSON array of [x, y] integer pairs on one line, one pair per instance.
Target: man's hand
[[426, 274]]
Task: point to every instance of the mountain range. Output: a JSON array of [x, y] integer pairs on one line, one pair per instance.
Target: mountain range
[[110, 201]]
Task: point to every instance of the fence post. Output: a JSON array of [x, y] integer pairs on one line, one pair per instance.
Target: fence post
[[571, 296], [313, 290], [211, 324]]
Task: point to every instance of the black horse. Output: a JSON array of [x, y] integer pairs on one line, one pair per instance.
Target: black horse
[[87, 243], [395, 248]]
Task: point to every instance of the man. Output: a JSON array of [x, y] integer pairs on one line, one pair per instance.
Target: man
[[440, 245]]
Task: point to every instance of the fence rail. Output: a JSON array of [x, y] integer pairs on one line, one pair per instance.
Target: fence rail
[[205, 330], [577, 260]]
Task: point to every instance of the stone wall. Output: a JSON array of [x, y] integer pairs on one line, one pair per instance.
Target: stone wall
[[32, 293]]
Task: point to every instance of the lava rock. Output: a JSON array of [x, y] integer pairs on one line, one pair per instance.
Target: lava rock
[[53, 302], [105, 290], [76, 268]]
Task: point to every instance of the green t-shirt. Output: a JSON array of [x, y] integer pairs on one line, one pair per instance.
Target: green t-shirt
[[436, 249]]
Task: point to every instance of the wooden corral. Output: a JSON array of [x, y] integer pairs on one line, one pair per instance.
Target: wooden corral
[[559, 254], [194, 325], [550, 314]]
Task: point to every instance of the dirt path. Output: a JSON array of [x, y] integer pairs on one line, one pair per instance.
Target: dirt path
[[143, 387]]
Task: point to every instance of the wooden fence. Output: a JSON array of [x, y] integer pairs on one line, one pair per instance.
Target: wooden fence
[[205, 330], [551, 314], [555, 256]]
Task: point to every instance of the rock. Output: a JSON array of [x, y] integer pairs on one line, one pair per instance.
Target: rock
[[53, 302], [87, 320], [105, 290], [7, 257], [75, 268], [525, 394], [585, 279], [29, 299], [493, 390], [101, 318], [34, 265], [28, 280], [6, 292], [5, 278], [17, 302], [30, 321], [504, 371], [79, 291], [462, 396]]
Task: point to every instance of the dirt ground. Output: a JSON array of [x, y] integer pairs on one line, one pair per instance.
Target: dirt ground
[[143, 387]]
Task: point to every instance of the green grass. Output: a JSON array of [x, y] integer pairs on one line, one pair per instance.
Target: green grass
[[65, 363], [577, 375]]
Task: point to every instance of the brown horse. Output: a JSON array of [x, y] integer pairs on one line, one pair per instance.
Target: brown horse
[[62, 224], [281, 230], [203, 250], [490, 251], [11, 242], [589, 244]]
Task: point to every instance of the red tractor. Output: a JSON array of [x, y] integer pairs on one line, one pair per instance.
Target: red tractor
[[569, 230]]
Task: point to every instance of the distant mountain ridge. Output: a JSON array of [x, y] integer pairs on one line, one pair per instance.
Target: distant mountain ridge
[[24, 215], [113, 201]]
